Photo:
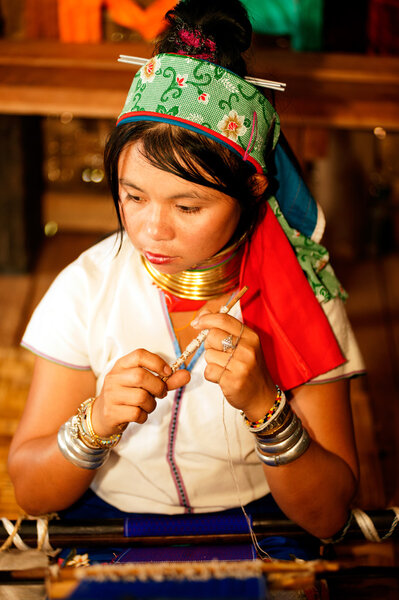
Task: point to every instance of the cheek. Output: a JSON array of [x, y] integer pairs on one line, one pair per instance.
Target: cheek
[[122, 214], [216, 232], [130, 224], [228, 223]]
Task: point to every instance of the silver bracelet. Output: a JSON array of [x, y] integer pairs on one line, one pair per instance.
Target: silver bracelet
[[74, 450], [78, 447], [279, 447], [275, 460], [284, 432]]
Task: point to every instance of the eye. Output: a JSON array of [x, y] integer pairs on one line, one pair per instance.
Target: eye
[[188, 209], [131, 198]]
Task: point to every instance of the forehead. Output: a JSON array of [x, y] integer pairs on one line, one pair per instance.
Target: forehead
[[136, 171]]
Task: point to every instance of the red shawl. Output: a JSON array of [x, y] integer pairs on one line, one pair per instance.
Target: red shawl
[[296, 337]]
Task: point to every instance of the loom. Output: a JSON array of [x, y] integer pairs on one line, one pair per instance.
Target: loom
[[184, 556]]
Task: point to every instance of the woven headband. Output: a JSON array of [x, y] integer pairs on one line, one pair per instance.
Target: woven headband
[[207, 99]]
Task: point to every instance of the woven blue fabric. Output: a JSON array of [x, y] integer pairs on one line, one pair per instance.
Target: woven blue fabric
[[244, 551], [90, 506], [193, 524], [211, 589]]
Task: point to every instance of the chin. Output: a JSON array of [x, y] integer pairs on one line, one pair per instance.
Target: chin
[[169, 269]]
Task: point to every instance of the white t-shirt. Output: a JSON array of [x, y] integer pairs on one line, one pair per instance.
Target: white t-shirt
[[188, 454]]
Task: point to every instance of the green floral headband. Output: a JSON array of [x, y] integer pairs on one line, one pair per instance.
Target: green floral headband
[[207, 99]]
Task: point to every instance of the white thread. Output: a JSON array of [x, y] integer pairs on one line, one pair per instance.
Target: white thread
[[214, 569], [43, 540], [259, 550], [14, 537], [395, 521], [342, 533], [366, 525]]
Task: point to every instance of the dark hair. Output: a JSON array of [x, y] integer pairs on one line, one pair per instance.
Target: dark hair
[[191, 156], [225, 22]]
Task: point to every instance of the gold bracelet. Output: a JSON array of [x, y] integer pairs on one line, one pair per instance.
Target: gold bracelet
[[82, 433], [84, 412]]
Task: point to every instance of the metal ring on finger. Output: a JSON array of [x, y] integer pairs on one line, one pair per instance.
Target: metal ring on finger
[[227, 343], [232, 352]]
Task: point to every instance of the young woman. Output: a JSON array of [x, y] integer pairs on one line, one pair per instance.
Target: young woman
[[193, 163]]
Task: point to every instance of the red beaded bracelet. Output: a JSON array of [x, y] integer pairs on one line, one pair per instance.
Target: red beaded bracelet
[[270, 413]]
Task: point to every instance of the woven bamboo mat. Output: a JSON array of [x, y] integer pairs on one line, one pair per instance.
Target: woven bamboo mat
[[16, 365]]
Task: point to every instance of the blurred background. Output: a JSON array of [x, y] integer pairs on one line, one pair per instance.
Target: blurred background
[[61, 89]]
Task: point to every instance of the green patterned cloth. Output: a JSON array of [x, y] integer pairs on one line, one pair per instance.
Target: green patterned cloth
[[210, 100], [206, 98], [314, 260]]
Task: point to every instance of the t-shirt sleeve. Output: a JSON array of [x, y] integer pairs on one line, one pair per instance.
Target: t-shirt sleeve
[[58, 327], [338, 319]]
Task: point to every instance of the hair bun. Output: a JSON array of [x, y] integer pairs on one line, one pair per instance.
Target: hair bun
[[216, 30]]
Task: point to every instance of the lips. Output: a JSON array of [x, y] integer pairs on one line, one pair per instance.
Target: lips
[[158, 259]]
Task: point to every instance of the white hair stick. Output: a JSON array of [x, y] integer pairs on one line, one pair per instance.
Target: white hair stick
[[273, 85]]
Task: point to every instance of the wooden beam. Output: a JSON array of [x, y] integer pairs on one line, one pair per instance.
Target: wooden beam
[[323, 90]]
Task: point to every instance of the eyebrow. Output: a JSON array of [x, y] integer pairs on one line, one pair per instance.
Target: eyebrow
[[187, 195]]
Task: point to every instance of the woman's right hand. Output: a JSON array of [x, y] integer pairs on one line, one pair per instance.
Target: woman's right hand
[[130, 388]]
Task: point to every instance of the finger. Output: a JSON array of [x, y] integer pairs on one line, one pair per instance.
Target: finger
[[126, 397], [215, 373], [137, 377], [216, 337], [144, 358], [219, 321], [142, 400], [221, 359], [241, 361], [203, 311], [127, 407], [132, 414], [178, 379]]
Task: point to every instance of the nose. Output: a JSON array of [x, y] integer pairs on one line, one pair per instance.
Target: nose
[[158, 225]]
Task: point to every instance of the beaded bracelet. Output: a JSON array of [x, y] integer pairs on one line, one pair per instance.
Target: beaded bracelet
[[275, 411], [279, 421]]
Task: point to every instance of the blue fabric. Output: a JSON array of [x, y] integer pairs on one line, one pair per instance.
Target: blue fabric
[[294, 198], [90, 506], [186, 553], [211, 589], [193, 524]]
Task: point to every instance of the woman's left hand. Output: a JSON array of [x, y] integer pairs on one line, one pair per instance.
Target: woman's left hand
[[240, 371]]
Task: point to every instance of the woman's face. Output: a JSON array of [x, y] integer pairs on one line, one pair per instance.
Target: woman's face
[[174, 223]]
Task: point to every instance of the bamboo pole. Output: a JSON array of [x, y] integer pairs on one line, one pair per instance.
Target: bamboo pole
[[111, 532]]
